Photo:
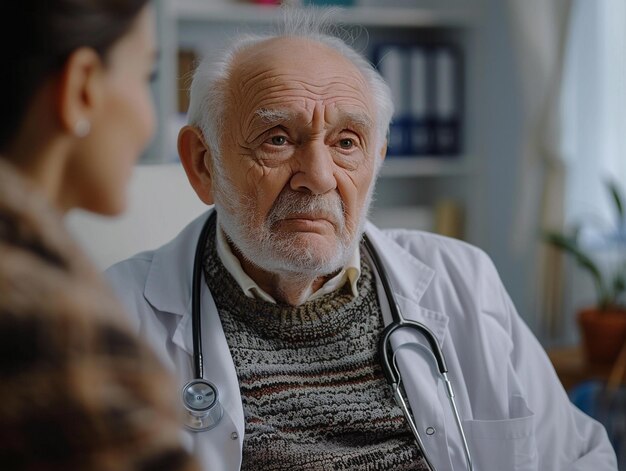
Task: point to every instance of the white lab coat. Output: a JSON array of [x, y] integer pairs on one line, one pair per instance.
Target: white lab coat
[[515, 413]]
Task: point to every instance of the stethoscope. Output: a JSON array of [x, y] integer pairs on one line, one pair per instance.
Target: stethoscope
[[201, 397]]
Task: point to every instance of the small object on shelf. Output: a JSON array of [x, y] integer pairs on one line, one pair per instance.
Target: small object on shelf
[[449, 218]]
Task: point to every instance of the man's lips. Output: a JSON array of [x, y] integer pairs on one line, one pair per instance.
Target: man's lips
[[311, 217], [308, 221]]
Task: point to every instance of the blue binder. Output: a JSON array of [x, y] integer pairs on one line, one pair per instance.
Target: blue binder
[[426, 83], [421, 140], [446, 69], [392, 64]]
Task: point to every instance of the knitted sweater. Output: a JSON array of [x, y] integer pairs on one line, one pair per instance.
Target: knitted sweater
[[313, 393]]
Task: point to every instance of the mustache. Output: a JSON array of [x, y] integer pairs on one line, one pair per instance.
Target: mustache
[[289, 203]]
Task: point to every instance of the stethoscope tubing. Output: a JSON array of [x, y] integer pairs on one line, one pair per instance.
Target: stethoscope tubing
[[392, 373], [196, 290]]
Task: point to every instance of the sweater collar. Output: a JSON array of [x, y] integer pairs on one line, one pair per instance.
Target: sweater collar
[[312, 321]]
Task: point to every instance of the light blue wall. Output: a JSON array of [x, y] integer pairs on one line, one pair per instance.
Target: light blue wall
[[501, 144]]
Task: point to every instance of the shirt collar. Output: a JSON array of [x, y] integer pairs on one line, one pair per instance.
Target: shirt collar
[[350, 273]]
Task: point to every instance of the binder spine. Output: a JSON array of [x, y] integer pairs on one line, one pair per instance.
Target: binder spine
[[392, 65], [420, 128], [447, 79]]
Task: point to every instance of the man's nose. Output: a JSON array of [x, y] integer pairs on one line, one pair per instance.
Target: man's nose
[[315, 172]]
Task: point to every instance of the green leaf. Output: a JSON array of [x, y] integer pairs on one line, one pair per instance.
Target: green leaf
[[619, 284], [618, 199], [570, 245]]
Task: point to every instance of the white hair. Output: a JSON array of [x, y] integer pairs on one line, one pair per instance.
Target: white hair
[[209, 87]]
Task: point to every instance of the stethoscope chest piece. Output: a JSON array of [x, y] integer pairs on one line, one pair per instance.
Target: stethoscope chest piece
[[202, 404]]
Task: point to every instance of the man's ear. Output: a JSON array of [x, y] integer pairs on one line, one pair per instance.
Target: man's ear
[[196, 159], [80, 91], [383, 151]]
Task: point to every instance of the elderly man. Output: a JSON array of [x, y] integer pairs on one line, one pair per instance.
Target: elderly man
[[286, 136]]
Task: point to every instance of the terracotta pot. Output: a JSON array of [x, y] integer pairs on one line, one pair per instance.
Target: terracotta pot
[[603, 333]]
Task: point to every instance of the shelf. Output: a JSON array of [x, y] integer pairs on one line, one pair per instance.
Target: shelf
[[396, 17], [408, 166]]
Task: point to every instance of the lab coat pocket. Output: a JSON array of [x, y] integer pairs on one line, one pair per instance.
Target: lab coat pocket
[[507, 444]]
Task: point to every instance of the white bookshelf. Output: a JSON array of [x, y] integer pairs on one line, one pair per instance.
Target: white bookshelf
[[424, 166], [405, 182]]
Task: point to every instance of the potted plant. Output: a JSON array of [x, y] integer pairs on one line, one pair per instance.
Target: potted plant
[[602, 325]]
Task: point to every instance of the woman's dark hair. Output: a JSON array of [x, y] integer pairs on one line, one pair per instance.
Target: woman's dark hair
[[37, 37]]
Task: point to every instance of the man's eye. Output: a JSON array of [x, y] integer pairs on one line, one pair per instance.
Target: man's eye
[[278, 140], [346, 143]]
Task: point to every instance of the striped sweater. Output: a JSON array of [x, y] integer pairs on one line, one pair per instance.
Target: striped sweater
[[313, 393]]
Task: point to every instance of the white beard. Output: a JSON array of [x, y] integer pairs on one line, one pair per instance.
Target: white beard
[[275, 252]]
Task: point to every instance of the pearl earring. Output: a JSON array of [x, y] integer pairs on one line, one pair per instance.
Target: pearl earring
[[82, 127]]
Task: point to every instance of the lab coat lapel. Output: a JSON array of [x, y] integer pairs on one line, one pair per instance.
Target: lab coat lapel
[[168, 284], [409, 279]]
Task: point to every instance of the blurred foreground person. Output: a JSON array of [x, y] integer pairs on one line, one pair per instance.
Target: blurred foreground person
[[77, 390]]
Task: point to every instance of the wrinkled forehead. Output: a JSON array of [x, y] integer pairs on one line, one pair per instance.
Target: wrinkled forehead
[[296, 72]]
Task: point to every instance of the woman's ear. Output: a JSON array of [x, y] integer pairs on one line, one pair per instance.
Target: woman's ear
[[196, 159], [80, 91]]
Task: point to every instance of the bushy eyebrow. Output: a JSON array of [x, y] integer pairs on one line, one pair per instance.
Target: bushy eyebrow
[[273, 116], [346, 118], [358, 119]]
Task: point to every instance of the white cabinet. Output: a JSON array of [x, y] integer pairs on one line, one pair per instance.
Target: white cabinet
[[410, 187]]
